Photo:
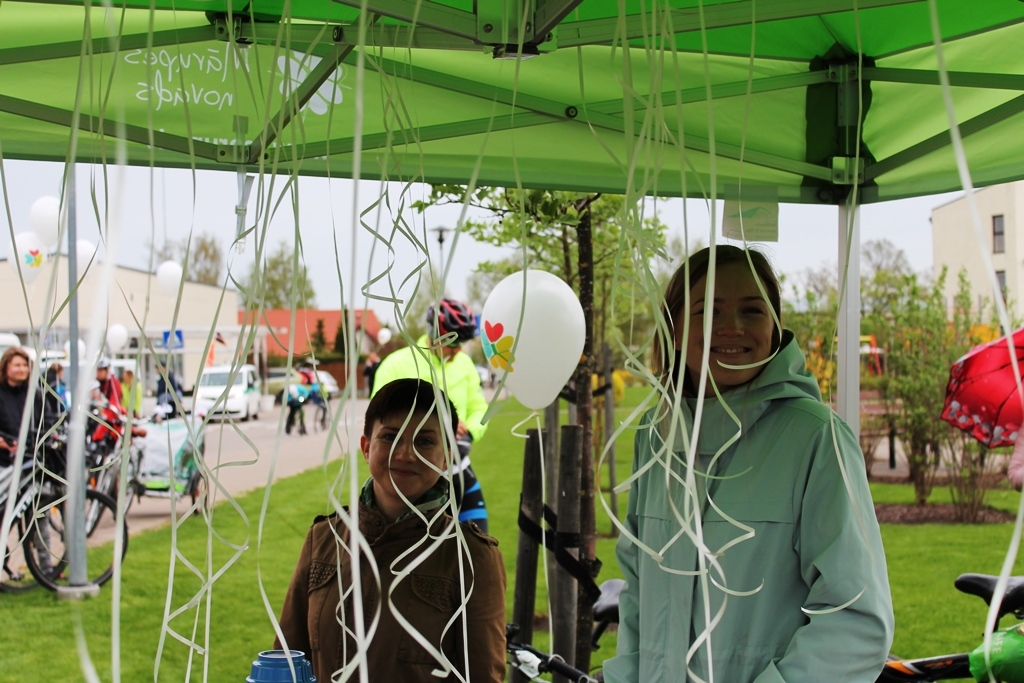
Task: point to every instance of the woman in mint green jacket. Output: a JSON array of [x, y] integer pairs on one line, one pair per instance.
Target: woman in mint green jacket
[[761, 559]]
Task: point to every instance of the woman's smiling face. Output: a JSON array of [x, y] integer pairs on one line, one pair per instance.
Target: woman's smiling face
[[400, 459], [741, 327]]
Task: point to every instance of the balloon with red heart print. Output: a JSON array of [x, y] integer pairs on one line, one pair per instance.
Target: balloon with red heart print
[[28, 252], [539, 345]]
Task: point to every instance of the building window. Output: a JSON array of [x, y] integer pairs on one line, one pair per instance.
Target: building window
[[1001, 279], [998, 235]]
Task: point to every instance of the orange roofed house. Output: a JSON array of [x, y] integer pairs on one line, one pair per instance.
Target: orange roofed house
[[279, 323]]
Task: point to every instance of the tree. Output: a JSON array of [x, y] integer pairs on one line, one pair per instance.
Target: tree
[[923, 343], [318, 340], [884, 267], [486, 277], [340, 337], [963, 455], [601, 248], [544, 224], [277, 284], [202, 257], [810, 313]]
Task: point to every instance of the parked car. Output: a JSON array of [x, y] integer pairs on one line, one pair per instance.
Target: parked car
[[486, 378], [278, 378], [329, 384], [214, 396], [7, 340]]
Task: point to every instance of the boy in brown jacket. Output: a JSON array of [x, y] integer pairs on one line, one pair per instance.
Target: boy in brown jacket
[[433, 592]]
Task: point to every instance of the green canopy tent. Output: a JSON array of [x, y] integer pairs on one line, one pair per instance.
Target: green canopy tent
[[813, 101], [610, 102], [801, 99]]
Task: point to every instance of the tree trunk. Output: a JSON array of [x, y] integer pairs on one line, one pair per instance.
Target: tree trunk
[[584, 406]]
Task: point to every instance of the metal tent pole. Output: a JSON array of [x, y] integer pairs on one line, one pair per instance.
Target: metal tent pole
[[74, 532], [848, 390]]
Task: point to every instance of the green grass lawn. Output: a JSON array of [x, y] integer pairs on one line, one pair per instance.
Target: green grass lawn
[[931, 617]]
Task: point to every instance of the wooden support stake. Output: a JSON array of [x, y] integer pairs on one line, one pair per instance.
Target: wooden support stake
[[525, 595], [609, 431], [552, 425], [563, 592]]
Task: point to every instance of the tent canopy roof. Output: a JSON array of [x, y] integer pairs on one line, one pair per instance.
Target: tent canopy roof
[[617, 97]]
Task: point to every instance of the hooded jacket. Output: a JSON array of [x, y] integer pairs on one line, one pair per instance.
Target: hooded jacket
[[312, 618], [804, 541], [13, 400], [460, 380]]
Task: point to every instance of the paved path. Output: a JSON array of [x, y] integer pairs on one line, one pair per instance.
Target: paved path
[[300, 453], [226, 444]]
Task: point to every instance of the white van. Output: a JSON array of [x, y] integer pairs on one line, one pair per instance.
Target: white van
[[7, 340], [214, 397]]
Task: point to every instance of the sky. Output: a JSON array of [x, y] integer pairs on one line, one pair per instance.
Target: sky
[[162, 204]]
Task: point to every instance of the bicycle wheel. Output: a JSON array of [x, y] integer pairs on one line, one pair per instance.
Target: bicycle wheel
[[199, 491], [46, 551], [14, 574], [323, 416], [104, 481]]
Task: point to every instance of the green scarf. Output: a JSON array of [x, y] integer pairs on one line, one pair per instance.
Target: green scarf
[[435, 497]]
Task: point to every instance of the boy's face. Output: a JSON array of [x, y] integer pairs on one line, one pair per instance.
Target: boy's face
[[398, 458]]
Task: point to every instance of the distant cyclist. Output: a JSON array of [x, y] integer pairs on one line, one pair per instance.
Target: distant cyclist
[[110, 387], [309, 377], [446, 365]]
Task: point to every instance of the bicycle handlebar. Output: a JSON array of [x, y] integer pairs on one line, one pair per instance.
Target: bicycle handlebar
[[573, 674], [552, 663]]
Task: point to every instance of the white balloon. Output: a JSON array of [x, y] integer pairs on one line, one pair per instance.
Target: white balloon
[[28, 252], [86, 255], [82, 350], [542, 353], [383, 336], [44, 217], [117, 337], [168, 276]]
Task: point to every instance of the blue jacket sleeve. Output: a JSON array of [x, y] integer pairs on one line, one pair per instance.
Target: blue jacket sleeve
[[843, 563]]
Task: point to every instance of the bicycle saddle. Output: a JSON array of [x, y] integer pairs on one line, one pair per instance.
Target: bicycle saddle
[[983, 585], [607, 606]]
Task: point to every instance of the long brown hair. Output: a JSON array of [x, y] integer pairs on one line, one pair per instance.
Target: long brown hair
[[6, 359], [665, 358]]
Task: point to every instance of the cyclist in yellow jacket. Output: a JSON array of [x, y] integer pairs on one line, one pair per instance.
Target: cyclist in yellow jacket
[[438, 358]]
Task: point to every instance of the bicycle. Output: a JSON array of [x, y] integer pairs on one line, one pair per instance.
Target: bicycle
[[36, 539], [1007, 662], [322, 414], [103, 457], [531, 662]]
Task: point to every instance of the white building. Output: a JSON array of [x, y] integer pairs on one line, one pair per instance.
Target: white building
[[136, 301], [955, 244]]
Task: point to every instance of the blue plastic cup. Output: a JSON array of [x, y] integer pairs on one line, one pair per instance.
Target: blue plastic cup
[[271, 666]]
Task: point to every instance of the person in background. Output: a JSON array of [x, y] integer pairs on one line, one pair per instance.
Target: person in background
[[370, 371], [55, 381], [132, 394], [110, 387], [454, 593], [438, 357], [168, 391], [782, 576], [15, 371], [298, 394], [307, 372]]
